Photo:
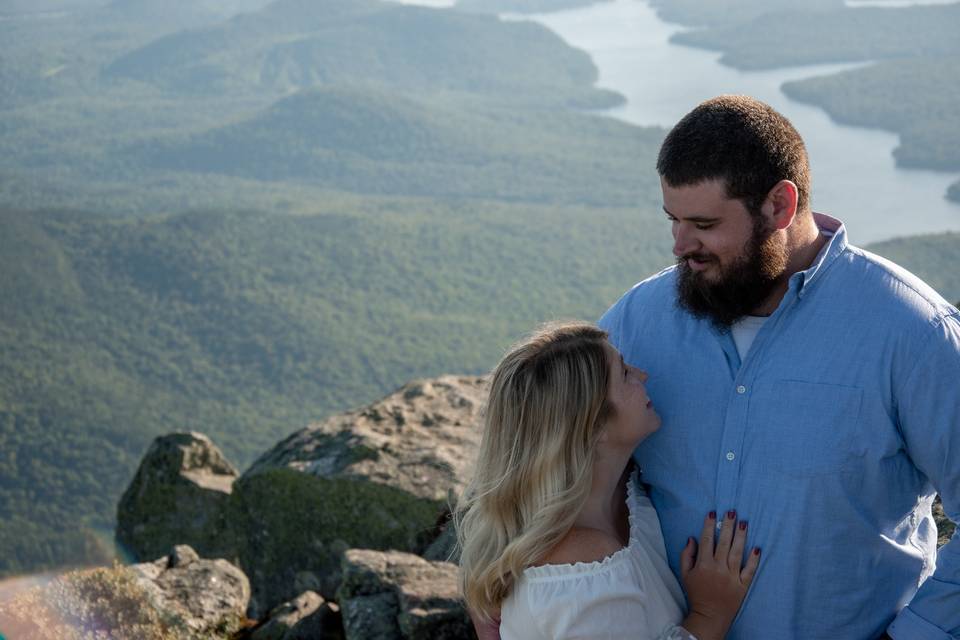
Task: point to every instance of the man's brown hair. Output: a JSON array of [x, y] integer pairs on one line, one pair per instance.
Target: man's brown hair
[[742, 141]]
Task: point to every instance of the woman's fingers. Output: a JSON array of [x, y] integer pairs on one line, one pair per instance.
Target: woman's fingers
[[735, 557], [688, 557], [726, 537], [706, 536], [750, 568]]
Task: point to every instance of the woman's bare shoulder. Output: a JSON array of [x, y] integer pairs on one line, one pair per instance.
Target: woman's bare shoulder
[[583, 544]]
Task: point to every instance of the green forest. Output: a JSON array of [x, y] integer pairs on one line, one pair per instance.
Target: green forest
[[239, 216], [237, 228]]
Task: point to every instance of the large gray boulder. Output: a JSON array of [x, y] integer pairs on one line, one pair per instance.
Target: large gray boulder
[[380, 477], [204, 597], [178, 496], [400, 596]]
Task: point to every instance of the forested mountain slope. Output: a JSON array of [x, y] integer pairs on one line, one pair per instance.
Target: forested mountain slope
[[241, 225]]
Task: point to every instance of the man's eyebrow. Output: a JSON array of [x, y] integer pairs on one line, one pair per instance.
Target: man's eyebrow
[[692, 218]]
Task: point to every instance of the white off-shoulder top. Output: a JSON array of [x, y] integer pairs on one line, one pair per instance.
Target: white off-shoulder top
[[630, 594]]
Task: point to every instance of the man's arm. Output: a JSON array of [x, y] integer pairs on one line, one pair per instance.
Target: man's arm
[[929, 414]]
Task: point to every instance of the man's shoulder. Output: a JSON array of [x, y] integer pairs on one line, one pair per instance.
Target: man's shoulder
[[892, 288], [656, 293]]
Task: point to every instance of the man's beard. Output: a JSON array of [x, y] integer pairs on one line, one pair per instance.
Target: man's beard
[[742, 286]]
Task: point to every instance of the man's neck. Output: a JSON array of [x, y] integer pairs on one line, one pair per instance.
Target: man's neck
[[803, 246]]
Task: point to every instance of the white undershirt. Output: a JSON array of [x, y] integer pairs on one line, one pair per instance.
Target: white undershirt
[[744, 331]]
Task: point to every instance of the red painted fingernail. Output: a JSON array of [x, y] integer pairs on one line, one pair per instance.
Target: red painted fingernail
[[743, 525], [756, 551], [731, 514], [712, 515]]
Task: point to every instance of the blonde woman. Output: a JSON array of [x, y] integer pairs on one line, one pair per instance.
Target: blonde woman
[[557, 538]]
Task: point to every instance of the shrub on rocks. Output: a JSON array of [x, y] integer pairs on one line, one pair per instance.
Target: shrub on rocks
[[178, 597]]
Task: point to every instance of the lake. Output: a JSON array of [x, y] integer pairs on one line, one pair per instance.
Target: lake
[[854, 177]]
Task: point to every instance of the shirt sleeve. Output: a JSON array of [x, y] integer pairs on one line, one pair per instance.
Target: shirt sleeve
[[929, 415]]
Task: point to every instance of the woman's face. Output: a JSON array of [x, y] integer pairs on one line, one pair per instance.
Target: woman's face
[[634, 418]]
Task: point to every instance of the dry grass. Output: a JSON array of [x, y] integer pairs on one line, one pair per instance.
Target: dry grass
[[97, 604]]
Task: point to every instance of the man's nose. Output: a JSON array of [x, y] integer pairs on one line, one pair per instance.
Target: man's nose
[[684, 240]]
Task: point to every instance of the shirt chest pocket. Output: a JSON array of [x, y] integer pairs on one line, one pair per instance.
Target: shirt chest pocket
[[806, 428]]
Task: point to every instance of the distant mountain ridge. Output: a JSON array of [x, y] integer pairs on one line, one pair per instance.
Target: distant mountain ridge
[[363, 139], [294, 44]]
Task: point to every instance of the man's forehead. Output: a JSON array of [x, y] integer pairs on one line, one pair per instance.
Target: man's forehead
[[704, 200]]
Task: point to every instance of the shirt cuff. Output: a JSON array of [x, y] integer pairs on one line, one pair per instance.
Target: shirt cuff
[[909, 626]]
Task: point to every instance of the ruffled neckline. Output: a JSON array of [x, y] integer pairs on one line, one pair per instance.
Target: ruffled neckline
[[595, 566]]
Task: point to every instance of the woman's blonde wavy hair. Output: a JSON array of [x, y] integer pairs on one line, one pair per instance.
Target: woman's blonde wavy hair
[[544, 416]]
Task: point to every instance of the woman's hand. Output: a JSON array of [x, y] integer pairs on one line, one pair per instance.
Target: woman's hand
[[712, 575]]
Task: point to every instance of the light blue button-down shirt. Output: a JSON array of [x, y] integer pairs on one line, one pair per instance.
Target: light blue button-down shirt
[[831, 438]]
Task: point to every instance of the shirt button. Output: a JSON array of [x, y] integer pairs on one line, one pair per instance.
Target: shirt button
[[731, 455], [741, 389]]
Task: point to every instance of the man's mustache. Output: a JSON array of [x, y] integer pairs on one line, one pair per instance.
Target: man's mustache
[[699, 257]]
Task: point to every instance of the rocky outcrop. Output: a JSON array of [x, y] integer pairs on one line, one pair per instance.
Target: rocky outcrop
[[377, 478], [380, 477], [178, 496], [400, 596], [204, 596]]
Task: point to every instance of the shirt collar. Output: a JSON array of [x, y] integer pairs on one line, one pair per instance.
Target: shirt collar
[[837, 243]]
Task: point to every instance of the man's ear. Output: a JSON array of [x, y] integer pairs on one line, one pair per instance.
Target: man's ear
[[780, 207]]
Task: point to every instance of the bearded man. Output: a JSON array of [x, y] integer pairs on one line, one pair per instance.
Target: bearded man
[[810, 386]]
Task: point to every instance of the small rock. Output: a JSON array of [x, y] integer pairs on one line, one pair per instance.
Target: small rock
[[424, 597], [206, 596], [371, 618], [306, 617], [444, 548], [182, 556]]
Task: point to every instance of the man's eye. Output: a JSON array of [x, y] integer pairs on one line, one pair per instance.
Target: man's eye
[[703, 227]]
